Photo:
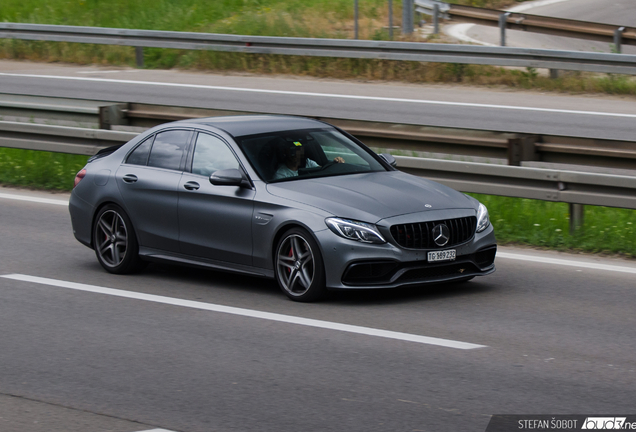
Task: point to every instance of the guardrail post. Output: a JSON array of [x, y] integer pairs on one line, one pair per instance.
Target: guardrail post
[[576, 217], [112, 115], [503, 18], [522, 149], [355, 19], [618, 39], [435, 18], [407, 17], [391, 19], [554, 73], [139, 57]]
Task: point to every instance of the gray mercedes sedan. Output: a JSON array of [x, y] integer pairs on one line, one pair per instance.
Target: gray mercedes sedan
[[282, 197]]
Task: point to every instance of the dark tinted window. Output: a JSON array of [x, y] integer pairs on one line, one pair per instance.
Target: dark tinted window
[[317, 152], [139, 156], [168, 149], [212, 154]]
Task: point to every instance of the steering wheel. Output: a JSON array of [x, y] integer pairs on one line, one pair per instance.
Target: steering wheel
[[327, 165]]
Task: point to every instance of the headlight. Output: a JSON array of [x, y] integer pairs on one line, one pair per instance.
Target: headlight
[[354, 230], [483, 220]]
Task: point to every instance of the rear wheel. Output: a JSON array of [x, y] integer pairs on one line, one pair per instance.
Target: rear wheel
[[299, 267], [115, 241]]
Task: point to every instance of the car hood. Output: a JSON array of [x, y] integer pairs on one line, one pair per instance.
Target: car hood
[[371, 197]]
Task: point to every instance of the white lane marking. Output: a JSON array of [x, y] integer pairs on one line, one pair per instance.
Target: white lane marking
[[157, 430], [459, 31], [569, 263], [34, 199], [248, 312], [108, 71], [328, 95]]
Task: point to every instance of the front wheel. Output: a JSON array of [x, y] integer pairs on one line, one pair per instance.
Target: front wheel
[[115, 241], [299, 267]]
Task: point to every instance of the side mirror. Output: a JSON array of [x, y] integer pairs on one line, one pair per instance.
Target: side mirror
[[389, 159], [228, 177]]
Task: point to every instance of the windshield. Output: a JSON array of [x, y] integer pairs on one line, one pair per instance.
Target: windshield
[[293, 155]]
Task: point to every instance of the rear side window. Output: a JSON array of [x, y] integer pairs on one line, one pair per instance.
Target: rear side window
[[168, 149], [139, 156]]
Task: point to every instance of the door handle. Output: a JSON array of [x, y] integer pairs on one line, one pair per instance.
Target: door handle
[[191, 185], [129, 178]]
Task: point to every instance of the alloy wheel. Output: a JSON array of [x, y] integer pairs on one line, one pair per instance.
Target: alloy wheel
[[296, 265], [111, 238]]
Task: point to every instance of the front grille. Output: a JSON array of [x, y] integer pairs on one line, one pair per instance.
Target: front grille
[[420, 236]]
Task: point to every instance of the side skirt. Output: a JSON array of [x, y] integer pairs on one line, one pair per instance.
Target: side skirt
[[156, 255]]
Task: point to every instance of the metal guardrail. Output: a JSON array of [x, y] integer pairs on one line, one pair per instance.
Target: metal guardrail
[[403, 51], [60, 139], [514, 147], [609, 33], [520, 182]]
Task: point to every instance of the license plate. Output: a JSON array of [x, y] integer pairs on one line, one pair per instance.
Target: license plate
[[447, 255]]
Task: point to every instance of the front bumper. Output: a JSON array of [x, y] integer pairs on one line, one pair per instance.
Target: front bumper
[[354, 265]]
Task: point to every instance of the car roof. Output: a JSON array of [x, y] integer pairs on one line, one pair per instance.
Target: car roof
[[241, 125]]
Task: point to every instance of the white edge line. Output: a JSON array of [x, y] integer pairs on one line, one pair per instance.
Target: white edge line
[[34, 199], [328, 95], [105, 71], [569, 263], [248, 312]]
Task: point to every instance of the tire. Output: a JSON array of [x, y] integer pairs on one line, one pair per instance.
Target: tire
[[115, 241], [299, 267]]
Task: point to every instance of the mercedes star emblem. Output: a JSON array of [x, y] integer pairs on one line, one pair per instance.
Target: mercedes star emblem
[[441, 234]]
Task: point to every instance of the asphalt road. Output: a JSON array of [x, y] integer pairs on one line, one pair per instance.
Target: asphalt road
[[474, 108], [556, 339], [617, 12]]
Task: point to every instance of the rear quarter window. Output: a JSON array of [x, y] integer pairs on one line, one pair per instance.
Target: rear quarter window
[[139, 156]]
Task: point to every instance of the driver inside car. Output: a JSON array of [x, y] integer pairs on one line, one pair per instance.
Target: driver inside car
[[293, 156]]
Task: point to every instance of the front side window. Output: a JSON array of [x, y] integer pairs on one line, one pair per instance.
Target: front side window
[[168, 149], [212, 154], [290, 155]]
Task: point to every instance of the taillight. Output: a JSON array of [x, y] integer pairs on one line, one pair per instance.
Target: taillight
[[79, 176]]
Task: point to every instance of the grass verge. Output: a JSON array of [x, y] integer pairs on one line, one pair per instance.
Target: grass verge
[[39, 169], [516, 221], [546, 224]]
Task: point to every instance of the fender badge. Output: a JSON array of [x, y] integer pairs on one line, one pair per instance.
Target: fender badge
[[262, 218]]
